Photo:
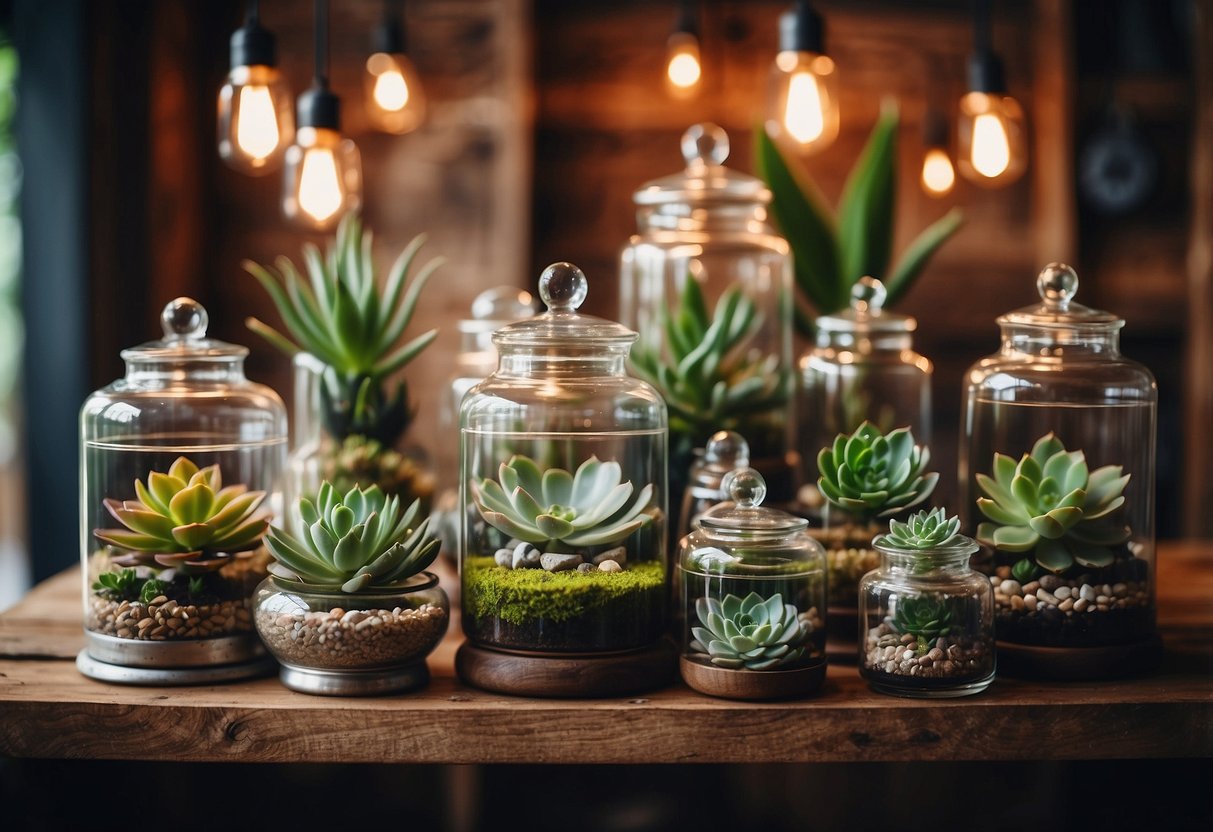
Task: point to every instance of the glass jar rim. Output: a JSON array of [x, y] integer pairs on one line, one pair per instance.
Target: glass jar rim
[[955, 546]]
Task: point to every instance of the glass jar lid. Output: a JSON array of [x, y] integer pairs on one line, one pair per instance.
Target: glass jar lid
[[496, 307], [563, 288], [704, 147], [184, 321], [1057, 284], [866, 313], [745, 516]]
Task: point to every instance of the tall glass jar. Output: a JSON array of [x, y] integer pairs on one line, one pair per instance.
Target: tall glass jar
[[1057, 482], [753, 599], [180, 464], [563, 494], [705, 252], [863, 368]]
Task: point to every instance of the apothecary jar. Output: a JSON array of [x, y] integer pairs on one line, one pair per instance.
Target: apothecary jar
[[1057, 482], [563, 488], [180, 461], [706, 262]]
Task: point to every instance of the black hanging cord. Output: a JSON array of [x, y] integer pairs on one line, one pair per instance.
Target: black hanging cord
[[318, 106], [322, 43], [389, 35], [981, 27], [688, 18], [985, 67], [253, 16]]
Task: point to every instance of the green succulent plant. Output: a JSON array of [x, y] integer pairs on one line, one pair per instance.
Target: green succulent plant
[[588, 508], [923, 530], [709, 376], [186, 520], [1049, 505], [873, 475], [341, 316], [751, 633], [925, 617], [361, 541], [831, 252], [118, 585], [152, 589]]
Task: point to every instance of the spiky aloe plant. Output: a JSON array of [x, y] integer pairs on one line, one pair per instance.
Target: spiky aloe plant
[[591, 507], [1051, 507], [751, 633], [361, 541], [341, 315], [185, 519], [873, 475]]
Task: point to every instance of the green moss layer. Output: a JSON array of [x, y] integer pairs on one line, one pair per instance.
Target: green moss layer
[[521, 595]]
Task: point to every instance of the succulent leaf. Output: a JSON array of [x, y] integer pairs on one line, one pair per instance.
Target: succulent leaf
[[874, 475], [926, 617], [751, 633], [923, 530]]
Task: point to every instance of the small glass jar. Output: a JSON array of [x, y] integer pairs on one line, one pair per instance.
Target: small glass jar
[[563, 488], [753, 599], [928, 622], [168, 577], [1057, 484], [726, 451], [703, 236], [347, 644], [863, 368]]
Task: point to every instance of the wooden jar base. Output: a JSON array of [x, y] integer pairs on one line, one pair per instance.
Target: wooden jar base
[[558, 676], [753, 684], [1077, 664]]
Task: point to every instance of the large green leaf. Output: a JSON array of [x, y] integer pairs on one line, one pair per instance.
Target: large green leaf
[[865, 212], [919, 252]]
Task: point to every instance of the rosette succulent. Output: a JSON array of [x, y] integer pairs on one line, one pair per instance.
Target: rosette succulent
[[922, 530], [588, 508], [361, 541], [873, 475], [185, 519], [1049, 504], [923, 616], [751, 633]]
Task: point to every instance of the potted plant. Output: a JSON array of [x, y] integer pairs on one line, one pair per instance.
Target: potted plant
[[348, 608]]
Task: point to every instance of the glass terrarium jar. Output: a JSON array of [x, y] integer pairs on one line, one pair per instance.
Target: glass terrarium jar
[[863, 368], [726, 451], [927, 617], [707, 284], [563, 495], [753, 599], [180, 462], [1057, 482]]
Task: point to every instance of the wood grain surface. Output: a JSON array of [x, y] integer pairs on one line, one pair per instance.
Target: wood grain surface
[[48, 710]]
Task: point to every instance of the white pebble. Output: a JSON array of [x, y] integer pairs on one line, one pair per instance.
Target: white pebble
[[1029, 602], [609, 566], [1062, 592], [907, 656], [1087, 592], [1010, 587], [1044, 596]]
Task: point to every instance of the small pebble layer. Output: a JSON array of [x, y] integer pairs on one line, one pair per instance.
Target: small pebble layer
[[354, 638], [164, 619], [896, 654]]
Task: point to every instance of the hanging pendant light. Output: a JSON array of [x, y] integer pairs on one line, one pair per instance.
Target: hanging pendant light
[[683, 68], [938, 174], [255, 123], [991, 138], [395, 100], [323, 178], [802, 100]]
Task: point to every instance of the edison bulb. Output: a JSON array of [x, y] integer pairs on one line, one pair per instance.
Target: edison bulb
[[992, 145], [395, 100], [683, 69], [938, 175], [323, 178], [802, 102], [256, 121]]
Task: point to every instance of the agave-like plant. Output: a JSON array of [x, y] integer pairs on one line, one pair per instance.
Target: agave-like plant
[[1050, 505], [925, 617], [709, 376], [588, 508], [873, 475], [922, 530], [341, 316], [751, 633], [185, 519], [361, 541]]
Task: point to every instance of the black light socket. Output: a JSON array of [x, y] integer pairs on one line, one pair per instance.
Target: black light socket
[[688, 20], [253, 46], [986, 73], [801, 29], [318, 107], [388, 36]]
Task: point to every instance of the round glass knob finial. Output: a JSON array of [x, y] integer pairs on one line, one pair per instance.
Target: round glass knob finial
[[184, 319], [705, 144], [1057, 284], [727, 449], [868, 295], [563, 287], [745, 487]]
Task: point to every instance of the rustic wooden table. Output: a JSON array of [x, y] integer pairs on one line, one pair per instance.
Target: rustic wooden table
[[48, 710]]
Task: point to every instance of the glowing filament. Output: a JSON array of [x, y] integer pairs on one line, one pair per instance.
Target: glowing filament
[[803, 114], [938, 176], [991, 150], [391, 90], [256, 122], [320, 192]]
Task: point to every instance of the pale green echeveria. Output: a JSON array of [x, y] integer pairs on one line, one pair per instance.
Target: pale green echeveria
[[873, 475], [751, 633], [361, 541], [588, 508], [1049, 504], [923, 530]]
